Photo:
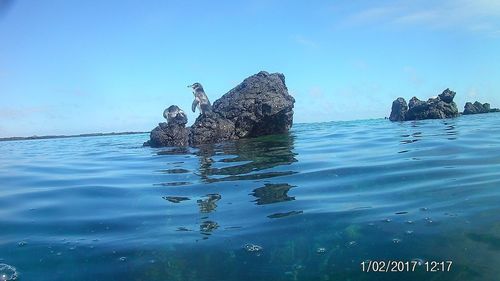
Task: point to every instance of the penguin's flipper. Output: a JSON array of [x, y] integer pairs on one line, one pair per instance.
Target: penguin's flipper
[[195, 103]]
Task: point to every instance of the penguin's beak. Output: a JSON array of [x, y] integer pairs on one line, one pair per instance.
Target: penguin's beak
[[190, 86]]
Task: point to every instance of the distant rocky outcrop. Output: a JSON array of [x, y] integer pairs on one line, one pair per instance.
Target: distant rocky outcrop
[[477, 107], [399, 110], [439, 107], [260, 105]]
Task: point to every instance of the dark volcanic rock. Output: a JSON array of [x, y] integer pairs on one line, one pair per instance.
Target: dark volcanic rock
[[477, 107], [399, 110], [173, 133], [447, 96], [211, 127], [260, 105], [168, 135], [417, 105], [434, 108]]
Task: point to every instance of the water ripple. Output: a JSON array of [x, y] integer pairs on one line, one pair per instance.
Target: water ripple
[[324, 197]]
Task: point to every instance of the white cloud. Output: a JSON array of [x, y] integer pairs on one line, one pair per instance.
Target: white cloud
[[478, 16], [371, 15], [419, 17], [306, 42]]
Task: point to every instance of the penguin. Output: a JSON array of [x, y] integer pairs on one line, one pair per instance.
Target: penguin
[[174, 113], [200, 99]]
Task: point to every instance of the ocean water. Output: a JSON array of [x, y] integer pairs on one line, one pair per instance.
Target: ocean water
[[310, 205]]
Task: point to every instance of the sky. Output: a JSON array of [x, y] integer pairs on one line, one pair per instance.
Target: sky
[[71, 67]]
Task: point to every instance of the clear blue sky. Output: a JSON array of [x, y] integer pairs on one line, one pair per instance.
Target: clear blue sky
[[69, 67]]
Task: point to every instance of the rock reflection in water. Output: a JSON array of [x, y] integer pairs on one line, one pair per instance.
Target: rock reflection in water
[[252, 156], [174, 151], [230, 162], [207, 227], [446, 128], [282, 215], [451, 130], [272, 193], [175, 199], [208, 204]]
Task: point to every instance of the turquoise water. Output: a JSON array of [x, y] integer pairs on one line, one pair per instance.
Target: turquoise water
[[310, 205]]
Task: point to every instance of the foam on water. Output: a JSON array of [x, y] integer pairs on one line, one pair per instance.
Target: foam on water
[[7, 272]]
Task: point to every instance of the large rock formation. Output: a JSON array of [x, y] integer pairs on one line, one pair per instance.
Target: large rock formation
[[477, 107], [434, 108], [260, 105]]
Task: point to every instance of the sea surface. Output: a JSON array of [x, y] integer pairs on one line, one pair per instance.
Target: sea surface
[[313, 204]]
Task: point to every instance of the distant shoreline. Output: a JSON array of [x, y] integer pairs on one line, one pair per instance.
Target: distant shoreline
[[69, 136]]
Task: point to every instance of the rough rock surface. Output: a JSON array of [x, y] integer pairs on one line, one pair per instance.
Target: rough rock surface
[[439, 107], [260, 105], [173, 133], [477, 107], [447, 96], [168, 135], [210, 128], [399, 110]]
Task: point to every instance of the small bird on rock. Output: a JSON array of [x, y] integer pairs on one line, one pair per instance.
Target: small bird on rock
[[200, 99]]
